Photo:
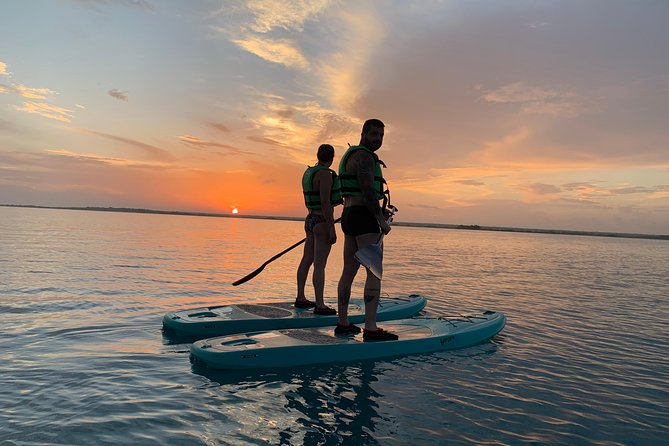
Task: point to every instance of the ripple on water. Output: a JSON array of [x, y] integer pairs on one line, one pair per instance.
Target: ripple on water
[[582, 360]]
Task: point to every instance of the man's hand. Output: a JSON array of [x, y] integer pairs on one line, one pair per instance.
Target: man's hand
[[389, 212], [385, 227], [388, 217]]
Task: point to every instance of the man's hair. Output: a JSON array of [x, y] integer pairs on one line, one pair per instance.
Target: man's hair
[[367, 126], [325, 153]]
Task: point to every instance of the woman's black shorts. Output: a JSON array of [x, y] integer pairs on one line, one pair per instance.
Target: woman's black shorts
[[311, 221], [357, 220]]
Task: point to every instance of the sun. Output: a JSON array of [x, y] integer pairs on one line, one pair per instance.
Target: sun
[[235, 211]]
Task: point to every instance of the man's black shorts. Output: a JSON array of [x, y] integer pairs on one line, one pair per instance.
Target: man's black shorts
[[357, 220]]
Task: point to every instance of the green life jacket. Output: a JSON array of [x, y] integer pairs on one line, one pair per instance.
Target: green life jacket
[[312, 198], [350, 187]]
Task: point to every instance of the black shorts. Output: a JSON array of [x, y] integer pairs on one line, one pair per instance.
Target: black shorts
[[357, 220], [311, 221]]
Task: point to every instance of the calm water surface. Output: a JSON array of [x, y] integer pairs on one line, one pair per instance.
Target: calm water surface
[[583, 359]]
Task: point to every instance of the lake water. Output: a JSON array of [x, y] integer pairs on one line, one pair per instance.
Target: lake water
[[583, 359]]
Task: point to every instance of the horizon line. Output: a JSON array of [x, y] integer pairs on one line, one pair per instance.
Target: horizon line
[[395, 223]]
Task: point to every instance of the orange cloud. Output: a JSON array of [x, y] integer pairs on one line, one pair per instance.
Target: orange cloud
[[202, 143], [283, 51], [289, 15], [33, 93], [152, 151], [344, 76], [46, 110], [63, 176], [26, 92]]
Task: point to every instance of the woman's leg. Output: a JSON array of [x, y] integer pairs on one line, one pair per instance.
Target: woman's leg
[[321, 252], [305, 264]]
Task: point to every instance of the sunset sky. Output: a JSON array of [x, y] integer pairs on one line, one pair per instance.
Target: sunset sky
[[523, 113]]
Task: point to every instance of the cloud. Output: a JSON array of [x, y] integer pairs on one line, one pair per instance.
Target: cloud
[[46, 110], [578, 186], [281, 51], [585, 190], [583, 202], [334, 126], [426, 206], [327, 50], [219, 126], [154, 153], [248, 25], [468, 182], [261, 17], [27, 92], [639, 190], [141, 4], [542, 189], [286, 14], [263, 140], [345, 72], [537, 24], [93, 159], [299, 126], [117, 94], [201, 143], [40, 108], [580, 99], [535, 99], [23, 90], [64, 178], [214, 188]]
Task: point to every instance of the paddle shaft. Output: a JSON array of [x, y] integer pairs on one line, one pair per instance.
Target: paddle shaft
[[262, 267]]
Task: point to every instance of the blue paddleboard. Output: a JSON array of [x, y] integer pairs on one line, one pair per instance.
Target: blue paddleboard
[[200, 323], [298, 347]]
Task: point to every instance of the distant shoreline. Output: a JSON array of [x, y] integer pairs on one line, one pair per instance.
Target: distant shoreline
[[397, 223]]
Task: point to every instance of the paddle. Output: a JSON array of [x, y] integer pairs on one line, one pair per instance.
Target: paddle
[[371, 256], [262, 267]]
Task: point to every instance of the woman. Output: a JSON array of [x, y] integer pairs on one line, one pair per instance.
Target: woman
[[321, 193]]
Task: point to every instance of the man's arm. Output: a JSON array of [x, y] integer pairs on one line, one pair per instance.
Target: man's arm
[[365, 174]]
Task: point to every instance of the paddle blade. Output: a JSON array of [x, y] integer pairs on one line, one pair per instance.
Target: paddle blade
[[248, 276], [371, 257]]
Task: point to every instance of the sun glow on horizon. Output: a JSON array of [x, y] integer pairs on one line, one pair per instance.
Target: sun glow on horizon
[[235, 211]]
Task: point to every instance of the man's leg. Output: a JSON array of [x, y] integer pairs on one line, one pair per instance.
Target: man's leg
[[347, 276], [372, 290]]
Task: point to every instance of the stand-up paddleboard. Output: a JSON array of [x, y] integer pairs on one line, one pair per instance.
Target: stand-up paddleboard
[[200, 323], [297, 347]]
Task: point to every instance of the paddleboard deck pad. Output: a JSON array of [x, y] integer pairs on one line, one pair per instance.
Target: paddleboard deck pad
[[200, 323], [305, 346]]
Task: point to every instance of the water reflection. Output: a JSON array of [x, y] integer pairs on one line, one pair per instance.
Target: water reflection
[[336, 404], [327, 405], [581, 361]]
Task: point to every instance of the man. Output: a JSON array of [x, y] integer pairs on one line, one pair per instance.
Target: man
[[363, 222]]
